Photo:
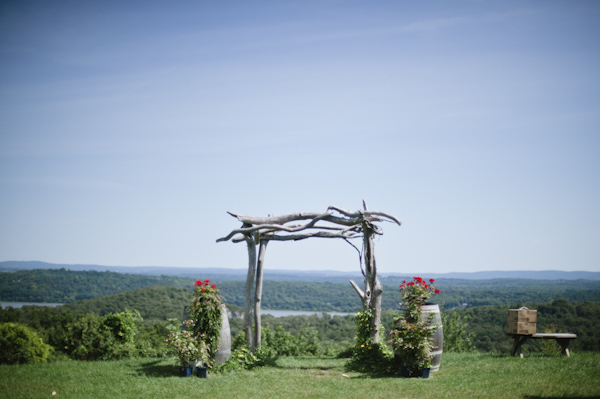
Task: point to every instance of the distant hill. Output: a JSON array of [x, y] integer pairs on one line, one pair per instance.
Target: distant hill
[[156, 302], [222, 274], [68, 286], [65, 286]]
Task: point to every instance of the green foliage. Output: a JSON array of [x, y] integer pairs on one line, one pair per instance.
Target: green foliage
[[153, 303], [455, 293], [456, 337], [280, 342], [550, 346], [69, 286], [188, 346], [243, 359], [91, 337], [206, 312], [64, 286], [50, 323], [413, 296], [488, 323], [150, 340], [412, 335], [283, 343], [122, 325], [21, 344], [412, 343], [367, 356]]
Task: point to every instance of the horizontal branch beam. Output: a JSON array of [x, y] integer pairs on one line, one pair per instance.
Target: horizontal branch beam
[[268, 226]]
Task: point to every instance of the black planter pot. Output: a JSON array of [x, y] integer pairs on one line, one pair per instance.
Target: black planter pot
[[408, 372], [202, 372]]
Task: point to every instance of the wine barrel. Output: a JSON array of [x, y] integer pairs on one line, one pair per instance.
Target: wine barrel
[[224, 350], [431, 312]]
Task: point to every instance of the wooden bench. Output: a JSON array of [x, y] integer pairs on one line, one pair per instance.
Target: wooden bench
[[564, 340]]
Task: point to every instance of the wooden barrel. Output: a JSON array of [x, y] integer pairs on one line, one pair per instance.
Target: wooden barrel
[[431, 312], [224, 350]]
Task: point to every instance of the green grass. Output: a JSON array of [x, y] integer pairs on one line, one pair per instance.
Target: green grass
[[461, 376]]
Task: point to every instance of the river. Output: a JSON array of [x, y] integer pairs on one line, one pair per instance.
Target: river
[[275, 313], [283, 313], [17, 305]]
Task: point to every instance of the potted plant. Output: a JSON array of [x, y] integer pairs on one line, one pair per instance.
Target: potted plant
[[191, 349], [412, 345], [412, 335], [206, 313]]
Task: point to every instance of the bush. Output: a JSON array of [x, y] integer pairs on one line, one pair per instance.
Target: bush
[[365, 355], [21, 344], [92, 337]]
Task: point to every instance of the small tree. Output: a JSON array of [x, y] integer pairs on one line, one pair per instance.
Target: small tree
[[456, 338]]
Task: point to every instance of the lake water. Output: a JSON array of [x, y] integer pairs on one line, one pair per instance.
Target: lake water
[[283, 313], [21, 304]]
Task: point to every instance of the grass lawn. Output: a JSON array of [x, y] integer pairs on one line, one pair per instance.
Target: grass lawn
[[461, 376]]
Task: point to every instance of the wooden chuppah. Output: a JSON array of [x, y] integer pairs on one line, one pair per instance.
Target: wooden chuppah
[[335, 222]]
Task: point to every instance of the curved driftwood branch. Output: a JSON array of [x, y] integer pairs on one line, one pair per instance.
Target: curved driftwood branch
[[360, 292], [335, 222]]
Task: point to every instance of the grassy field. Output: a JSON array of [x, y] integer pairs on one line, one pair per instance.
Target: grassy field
[[461, 376]]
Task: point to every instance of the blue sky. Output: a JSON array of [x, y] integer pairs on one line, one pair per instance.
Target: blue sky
[[128, 129]]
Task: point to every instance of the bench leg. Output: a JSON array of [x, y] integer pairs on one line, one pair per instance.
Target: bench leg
[[517, 346], [564, 345]]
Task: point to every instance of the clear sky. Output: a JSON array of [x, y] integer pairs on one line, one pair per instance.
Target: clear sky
[[128, 129]]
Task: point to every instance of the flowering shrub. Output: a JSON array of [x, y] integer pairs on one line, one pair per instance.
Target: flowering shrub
[[411, 337], [414, 294], [206, 312], [412, 343], [189, 347]]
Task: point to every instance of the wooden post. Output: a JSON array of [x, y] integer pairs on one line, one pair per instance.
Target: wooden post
[[373, 288], [258, 295], [249, 285]]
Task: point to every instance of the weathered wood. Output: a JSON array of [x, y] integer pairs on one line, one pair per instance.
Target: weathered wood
[[373, 288], [248, 289], [335, 222], [258, 294], [360, 292], [563, 339]]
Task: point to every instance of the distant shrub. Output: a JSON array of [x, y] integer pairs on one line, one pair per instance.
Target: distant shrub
[[21, 344], [92, 337]]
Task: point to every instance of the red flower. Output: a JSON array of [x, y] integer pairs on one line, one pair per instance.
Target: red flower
[[213, 286], [431, 280], [207, 281], [198, 282], [437, 292]]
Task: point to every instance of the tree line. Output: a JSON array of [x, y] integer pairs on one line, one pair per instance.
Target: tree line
[[63, 286], [68, 327]]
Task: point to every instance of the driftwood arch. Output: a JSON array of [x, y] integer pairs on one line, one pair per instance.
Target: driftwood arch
[[335, 222]]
